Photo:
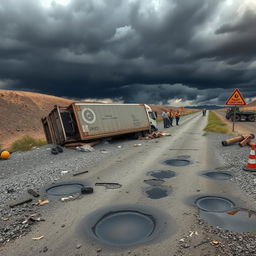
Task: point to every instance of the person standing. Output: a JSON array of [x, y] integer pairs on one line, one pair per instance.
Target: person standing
[[171, 115], [177, 117], [165, 119]]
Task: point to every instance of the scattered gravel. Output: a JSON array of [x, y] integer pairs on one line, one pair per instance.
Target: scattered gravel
[[36, 169], [235, 158]]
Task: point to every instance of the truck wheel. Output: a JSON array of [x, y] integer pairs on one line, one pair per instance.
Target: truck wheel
[[251, 118], [238, 118]]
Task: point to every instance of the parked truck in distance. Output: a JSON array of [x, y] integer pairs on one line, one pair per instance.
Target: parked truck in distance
[[88, 121], [235, 114]]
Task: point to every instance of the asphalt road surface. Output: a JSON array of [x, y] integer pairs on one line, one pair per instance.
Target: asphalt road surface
[[65, 230]]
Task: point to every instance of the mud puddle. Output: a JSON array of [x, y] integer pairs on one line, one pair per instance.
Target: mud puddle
[[126, 225], [177, 162], [214, 204], [217, 175], [236, 220], [59, 190], [157, 192]]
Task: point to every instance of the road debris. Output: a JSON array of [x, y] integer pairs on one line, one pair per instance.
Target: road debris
[[85, 148], [37, 238], [215, 242], [68, 198], [246, 140], [203, 242], [137, 145], [104, 151], [79, 173], [155, 135], [109, 185], [193, 233], [234, 140], [16, 203], [33, 218], [41, 202], [86, 190], [4, 154], [64, 172], [33, 192], [78, 246], [4, 219]]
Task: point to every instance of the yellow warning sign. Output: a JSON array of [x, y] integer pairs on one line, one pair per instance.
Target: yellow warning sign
[[236, 99]]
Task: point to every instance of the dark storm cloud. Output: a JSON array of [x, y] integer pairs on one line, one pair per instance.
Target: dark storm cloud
[[147, 50]]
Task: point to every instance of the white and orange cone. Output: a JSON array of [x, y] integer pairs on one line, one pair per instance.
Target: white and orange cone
[[251, 165]]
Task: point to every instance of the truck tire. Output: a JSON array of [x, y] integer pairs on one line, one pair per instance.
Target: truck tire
[[237, 119], [251, 118]]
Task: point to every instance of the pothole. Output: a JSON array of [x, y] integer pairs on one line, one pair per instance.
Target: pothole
[[64, 189], [154, 182], [127, 225], [217, 175], [124, 227], [157, 192], [236, 220], [177, 162], [162, 174], [214, 204], [109, 185]]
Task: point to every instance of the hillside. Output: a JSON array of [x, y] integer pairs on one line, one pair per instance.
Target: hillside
[[21, 114]]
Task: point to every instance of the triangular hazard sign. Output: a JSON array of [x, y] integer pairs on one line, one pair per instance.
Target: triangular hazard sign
[[236, 99]]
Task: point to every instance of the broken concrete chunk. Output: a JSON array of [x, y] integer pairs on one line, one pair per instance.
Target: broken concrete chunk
[[20, 202], [42, 202], [33, 192], [85, 148], [37, 238]]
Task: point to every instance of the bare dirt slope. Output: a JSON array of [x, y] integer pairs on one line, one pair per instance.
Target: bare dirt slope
[[21, 114]]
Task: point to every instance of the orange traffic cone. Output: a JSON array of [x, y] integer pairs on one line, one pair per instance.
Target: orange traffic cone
[[251, 165]]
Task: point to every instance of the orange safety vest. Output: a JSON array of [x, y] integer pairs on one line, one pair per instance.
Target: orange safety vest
[[171, 114], [177, 114]]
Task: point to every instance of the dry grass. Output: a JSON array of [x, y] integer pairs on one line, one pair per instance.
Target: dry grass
[[27, 143], [215, 124]]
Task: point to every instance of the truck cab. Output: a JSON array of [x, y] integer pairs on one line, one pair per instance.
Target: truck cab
[[152, 117]]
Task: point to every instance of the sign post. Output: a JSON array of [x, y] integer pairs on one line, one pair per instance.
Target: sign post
[[236, 99]]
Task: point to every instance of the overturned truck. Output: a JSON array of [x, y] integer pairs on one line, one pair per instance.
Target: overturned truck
[[83, 122]]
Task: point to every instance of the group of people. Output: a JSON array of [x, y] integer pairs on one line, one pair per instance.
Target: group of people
[[169, 116]]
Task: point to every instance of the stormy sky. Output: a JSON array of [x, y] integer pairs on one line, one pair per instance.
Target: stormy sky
[[175, 52]]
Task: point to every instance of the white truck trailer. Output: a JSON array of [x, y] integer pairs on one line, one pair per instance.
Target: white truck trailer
[[88, 121]]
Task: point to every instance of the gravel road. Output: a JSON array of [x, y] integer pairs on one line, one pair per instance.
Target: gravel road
[[185, 233]]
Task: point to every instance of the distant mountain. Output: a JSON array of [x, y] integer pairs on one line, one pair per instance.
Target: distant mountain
[[210, 107]]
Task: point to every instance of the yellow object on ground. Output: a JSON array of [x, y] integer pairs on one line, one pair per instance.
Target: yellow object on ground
[[5, 154]]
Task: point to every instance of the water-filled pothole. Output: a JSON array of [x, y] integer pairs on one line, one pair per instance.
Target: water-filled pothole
[[157, 192], [109, 185], [127, 225], [214, 204], [177, 162], [217, 175], [124, 227], [162, 174], [154, 182], [63, 189], [236, 220]]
